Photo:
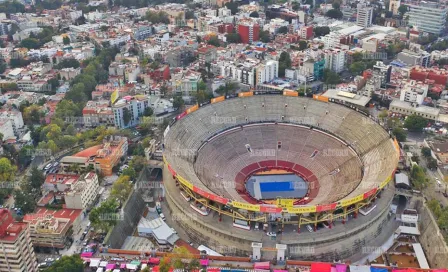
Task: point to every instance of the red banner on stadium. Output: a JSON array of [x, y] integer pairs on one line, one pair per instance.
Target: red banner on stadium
[[219, 199], [370, 193], [327, 207], [180, 116], [270, 209], [171, 170]]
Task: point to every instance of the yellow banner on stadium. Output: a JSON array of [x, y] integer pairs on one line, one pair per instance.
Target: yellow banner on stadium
[[351, 201], [185, 182], [218, 99], [290, 93], [192, 109], [304, 209], [384, 183], [285, 202], [244, 94], [246, 206]]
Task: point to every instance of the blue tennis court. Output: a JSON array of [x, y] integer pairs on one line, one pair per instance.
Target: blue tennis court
[[276, 186]]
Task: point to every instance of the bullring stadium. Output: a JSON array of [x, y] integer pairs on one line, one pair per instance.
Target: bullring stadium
[[238, 168]]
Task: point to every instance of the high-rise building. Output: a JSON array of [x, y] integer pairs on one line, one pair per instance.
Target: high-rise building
[[427, 17], [16, 249], [249, 31], [267, 71], [364, 15]]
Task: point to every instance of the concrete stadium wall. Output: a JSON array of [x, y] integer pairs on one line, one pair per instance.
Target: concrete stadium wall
[[431, 239]]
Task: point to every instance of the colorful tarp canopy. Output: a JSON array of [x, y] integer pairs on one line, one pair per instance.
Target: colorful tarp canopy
[[341, 267], [203, 262], [320, 267], [378, 269], [262, 265], [110, 266], [154, 260]]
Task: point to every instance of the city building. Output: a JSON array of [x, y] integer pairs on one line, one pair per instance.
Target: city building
[[83, 193], [407, 108], [248, 30], [364, 15], [53, 228], [7, 129], [414, 92], [414, 57], [440, 76], [335, 59], [266, 72], [306, 32], [427, 17], [16, 119], [102, 157], [16, 248], [128, 111]]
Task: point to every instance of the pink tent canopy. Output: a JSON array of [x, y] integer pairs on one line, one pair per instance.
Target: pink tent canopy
[[277, 270], [341, 268], [123, 265], [262, 265], [154, 260], [110, 266], [320, 267], [204, 262], [87, 254]]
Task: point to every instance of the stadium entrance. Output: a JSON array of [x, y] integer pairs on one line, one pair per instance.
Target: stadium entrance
[[276, 184]]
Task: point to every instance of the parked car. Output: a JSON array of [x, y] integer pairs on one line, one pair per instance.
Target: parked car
[[445, 194], [271, 234], [309, 228]]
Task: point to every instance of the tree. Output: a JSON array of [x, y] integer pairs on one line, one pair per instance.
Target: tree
[[334, 14], [233, 38], [303, 45], [284, 63], [25, 154], [402, 10], [130, 172], [24, 201], [138, 162], [426, 152], [121, 188], [336, 5], [431, 163], [37, 178], [434, 206], [105, 216], [178, 102], [72, 263], [68, 63], [265, 36], [295, 6], [66, 40], [30, 43], [330, 77], [282, 30], [233, 6], [126, 116], [400, 134], [418, 177], [213, 40], [202, 86], [415, 123], [7, 170], [254, 14], [148, 111], [321, 31]]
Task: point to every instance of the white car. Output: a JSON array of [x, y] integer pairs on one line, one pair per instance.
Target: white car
[[271, 234], [309, 228]]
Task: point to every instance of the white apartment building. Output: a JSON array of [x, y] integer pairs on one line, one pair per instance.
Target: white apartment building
[[414, 92], [7, 129], [335, 59], [16, 119], [427, 17], [267, 71], [83, 192], [364, 15], [134, 106], [16, 249]]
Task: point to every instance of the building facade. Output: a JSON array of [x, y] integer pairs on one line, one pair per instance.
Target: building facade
[[16, 248], [427, 17], [365, 15]]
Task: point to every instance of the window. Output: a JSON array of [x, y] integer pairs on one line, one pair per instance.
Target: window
[[279, 145]]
